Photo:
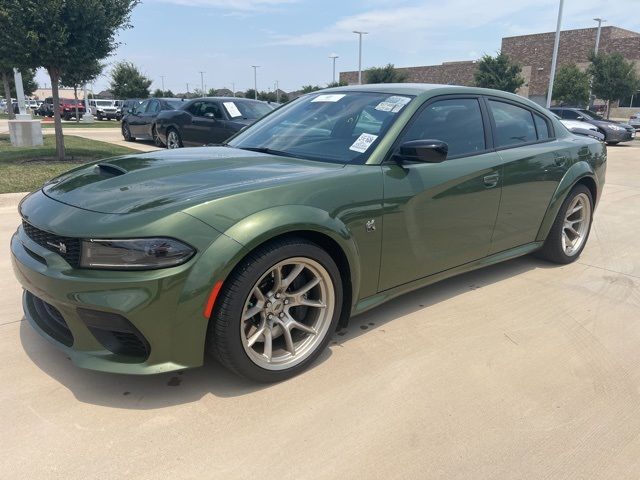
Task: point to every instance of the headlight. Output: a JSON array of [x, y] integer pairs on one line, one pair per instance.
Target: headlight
[[134, 254], [616, 128]]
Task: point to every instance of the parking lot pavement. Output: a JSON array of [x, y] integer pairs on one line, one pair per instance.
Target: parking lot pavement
[[520, 370]]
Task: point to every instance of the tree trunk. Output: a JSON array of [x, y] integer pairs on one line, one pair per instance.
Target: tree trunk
[[54, 73], [7, 94], [75, 95], [608, 108]]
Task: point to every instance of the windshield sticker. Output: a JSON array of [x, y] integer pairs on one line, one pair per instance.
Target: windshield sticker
[[232, 109], [393, 104], [329, 97], [363, 142]]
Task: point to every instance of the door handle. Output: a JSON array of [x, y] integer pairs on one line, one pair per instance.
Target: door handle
[[491, 180]]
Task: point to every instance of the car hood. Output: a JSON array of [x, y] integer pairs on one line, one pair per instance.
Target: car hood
[[608, 123], [176, 179]]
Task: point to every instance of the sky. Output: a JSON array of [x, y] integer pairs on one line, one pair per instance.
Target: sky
[[291, 40]]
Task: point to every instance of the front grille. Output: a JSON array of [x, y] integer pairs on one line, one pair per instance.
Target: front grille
[[49, 319], [67, 247]]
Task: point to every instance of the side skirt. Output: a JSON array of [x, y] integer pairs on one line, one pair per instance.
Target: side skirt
[[374, 300]]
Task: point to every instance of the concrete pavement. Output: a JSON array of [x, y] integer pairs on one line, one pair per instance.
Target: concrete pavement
[[524, 370]]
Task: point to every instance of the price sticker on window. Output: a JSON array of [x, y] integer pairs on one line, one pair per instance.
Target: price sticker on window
[[363, 142]]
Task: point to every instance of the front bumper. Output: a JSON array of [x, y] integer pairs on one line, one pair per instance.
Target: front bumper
[[620, 136], [107, 115], [164, 307]]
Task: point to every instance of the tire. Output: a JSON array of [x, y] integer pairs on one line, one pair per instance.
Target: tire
[[613, 143], [173, 139], [99, 116], [156, 140], [66, 117], [126, 132], [230, 336], [556, 248]]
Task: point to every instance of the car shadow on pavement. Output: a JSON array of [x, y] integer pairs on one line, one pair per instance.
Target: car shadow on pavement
[[174, 388]]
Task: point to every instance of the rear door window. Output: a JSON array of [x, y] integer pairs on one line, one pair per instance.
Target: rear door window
[[542, 127], [514, 125]]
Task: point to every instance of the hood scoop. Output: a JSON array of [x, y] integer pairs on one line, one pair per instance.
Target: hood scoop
[[109, 170]]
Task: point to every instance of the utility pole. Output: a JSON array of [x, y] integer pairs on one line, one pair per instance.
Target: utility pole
[[599, 20], [233, 88], [277, 92], [188, 90], [333, 57], [255, 81], [554, 59], [360, 34], [162, 78], [202, 82]]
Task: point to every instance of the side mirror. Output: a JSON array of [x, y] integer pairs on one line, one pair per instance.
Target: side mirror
[[423, 151], [209, 115], [130, 110], [580, 117]]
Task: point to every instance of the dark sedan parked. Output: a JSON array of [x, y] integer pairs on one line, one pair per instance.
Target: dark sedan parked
[[208, 120], [614, 132], [139, 122]]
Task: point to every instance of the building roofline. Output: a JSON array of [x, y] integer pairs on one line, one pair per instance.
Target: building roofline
[[605, 27]]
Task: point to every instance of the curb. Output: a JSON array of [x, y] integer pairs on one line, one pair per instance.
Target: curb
[[11, 199]]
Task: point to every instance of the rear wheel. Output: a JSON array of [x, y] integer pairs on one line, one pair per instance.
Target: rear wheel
[[173, 139], [570, 231], [126, 132], [277, 311]]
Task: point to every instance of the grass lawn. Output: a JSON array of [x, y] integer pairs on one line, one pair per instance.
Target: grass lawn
[[25, 169]]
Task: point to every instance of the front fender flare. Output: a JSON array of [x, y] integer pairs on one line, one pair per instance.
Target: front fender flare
[[574, 174], [267, 224]]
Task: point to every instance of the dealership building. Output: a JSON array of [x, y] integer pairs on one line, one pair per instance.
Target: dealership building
[[533, 53]]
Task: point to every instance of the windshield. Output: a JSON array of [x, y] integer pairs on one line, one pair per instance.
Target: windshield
[[104, 103], [246, 110], [592, 114], [334, 127]]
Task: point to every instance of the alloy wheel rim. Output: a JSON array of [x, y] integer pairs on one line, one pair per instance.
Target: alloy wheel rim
[[287, 313], [172, 140], [576, 224]]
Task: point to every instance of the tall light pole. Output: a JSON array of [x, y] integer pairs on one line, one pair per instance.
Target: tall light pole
[[554, 59], [333, 57], [188, 90], [255, 81], [233, 87], [360, 34], [202, 82], [277, 91], [599, 20], [162, 78]]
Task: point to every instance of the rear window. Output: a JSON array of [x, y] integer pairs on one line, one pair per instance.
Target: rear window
[[542, 127]]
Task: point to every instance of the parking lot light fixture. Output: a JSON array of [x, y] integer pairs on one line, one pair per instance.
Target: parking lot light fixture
[[255, 81], [360, 34], [554, 58], [333, 57]]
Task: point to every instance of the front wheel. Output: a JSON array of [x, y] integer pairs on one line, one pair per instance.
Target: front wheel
[[277, 311], [126, 132], [173, 139], [156, 139], [570, 230]]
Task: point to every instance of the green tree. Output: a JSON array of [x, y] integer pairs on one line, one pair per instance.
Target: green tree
[[58, 34], [386, 74], [128, 82], [310, 88], [499, 73], [158, 93], [79, 75], [571, 85], [340, 83], [613, 77], [250, 93]]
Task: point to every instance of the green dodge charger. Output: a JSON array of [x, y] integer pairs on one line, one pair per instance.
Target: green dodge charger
[[255, 251]]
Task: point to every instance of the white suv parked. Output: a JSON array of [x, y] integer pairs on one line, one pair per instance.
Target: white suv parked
[[103, 109]]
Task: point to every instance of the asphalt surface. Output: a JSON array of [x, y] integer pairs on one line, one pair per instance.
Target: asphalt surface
[[520, 370]]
